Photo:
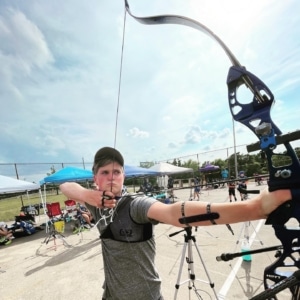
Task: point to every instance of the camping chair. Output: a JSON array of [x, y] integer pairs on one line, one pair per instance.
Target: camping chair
[[56, 223]]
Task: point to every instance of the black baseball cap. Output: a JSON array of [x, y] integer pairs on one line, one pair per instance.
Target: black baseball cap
[[105, 156]]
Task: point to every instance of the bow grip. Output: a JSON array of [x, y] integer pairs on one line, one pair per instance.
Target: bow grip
[[287, 210]]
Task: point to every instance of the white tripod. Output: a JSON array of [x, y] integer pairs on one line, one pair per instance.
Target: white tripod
[[245, 233], [188, 239]]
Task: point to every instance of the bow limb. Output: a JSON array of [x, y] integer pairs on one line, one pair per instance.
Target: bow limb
[[180, 20]]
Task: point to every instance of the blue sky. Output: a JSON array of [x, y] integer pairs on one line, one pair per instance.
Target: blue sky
[[60, 69]]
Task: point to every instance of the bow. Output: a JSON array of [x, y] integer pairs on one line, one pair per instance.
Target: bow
[[256, 116]]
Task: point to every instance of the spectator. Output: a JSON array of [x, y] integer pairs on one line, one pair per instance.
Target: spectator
[[231, 189], [6, 236], [196, 189], [224, 175], [85, 214], [242, 185], [171, 187], [170, 182]]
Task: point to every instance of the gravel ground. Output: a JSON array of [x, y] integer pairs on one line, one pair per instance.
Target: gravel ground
[[32, 269]]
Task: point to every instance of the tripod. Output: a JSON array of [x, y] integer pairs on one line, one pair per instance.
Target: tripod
[[53, 233], [188, 239], [245, 232]]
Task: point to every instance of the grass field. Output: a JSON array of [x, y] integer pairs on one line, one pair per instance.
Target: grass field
[[10, 207]]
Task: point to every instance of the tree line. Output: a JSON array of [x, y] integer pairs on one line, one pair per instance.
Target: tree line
[[251, 164]]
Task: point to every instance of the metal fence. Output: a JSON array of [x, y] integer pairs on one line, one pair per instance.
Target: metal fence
[[34, 172]]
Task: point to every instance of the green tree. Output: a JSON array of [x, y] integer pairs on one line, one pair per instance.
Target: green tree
[[147, 164], [52, 171]]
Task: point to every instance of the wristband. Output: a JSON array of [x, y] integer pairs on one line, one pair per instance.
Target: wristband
[[183, 219], [208, 211]]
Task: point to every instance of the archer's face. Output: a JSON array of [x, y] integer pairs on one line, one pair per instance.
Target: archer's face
[[110, 178]]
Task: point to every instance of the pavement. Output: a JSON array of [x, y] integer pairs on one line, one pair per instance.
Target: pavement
[[35, 270]]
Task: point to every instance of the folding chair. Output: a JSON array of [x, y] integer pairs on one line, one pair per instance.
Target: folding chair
[[56, 223]]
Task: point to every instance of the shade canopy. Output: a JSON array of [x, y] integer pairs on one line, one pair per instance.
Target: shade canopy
[[168, 169], [12, 185], [131, 171], [77, 174], [209, 168], [68, 174]]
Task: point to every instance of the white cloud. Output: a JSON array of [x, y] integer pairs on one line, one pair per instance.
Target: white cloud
[[137, 133]]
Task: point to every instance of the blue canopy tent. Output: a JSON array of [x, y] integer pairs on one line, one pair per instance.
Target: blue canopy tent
[[131, 171], [135, 172], [68, 174], [64, 175], [78, 174]]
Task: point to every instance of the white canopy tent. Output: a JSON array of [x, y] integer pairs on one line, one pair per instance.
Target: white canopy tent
[[165, 170], [9, 185], [168, 169]]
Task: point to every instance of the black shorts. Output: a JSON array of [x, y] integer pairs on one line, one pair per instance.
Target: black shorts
[[231, 192]]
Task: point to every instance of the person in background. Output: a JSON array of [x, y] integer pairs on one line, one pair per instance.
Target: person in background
[[86, 215], [196, 189], [242, 185], [6, 236], [224, 175], [147, 186], [231, 189], [170, 182], [125, 223], [171, 187]]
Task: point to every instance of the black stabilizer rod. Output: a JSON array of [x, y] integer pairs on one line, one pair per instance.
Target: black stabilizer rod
[[245, 191], [280, 139], [278, 287], [230, 256]]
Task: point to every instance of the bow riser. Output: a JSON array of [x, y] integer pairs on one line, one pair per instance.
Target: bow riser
[[256, 116]]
